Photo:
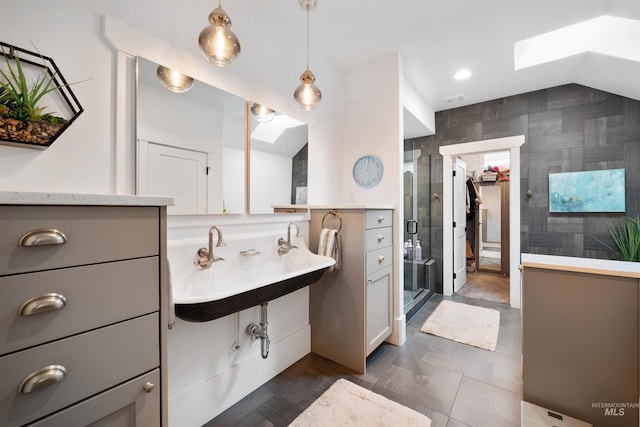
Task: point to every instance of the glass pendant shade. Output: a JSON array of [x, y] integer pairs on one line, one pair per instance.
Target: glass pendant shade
[[218, 43], [174, 80], [307, 95], [261, 113]]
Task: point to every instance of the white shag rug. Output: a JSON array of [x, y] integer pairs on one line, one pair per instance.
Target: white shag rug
[[468, 324], [347, 404]]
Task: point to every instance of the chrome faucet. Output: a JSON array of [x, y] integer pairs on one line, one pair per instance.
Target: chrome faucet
[[206, 256], [285, 246]]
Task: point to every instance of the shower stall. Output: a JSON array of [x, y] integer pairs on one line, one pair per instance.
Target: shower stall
[[419, 267]]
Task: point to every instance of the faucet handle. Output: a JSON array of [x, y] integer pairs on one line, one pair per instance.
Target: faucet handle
[[281, 241]]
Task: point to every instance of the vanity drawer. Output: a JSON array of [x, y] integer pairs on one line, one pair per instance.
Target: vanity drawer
[[126, 405], [379, 259], [93, 234], [96, 295], [375, 218], [377, 238], [94, 361]]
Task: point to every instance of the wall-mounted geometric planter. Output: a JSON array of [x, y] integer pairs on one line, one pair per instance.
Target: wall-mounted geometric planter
[[21, 124]]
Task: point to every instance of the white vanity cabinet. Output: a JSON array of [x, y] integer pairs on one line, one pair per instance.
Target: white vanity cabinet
[[351, 308], [82, 332]]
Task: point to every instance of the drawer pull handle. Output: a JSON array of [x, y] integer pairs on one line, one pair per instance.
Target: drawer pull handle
[[148, 387], [380, 218], [380, 237], [380, 258], [45, 236], [42, 378], [42, 304]]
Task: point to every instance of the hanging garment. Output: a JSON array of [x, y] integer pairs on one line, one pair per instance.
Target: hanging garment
[[472, 199]]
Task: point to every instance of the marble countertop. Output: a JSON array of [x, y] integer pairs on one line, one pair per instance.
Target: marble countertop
[[33, 198], [582, 265]]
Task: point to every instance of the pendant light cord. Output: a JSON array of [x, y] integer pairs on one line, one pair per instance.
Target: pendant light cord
[[307, 36]]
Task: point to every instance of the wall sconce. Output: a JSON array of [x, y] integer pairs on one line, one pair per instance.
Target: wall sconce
[[217, 42], [174, 80], [307, 95], [261, 113]]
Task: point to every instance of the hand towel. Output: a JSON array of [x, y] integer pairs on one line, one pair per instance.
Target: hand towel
[[330, 245]]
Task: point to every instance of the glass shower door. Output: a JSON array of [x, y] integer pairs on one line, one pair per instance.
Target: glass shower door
[[417, 266]]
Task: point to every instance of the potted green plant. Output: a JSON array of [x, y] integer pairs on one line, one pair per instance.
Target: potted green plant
[[627, 239], [22, 117]]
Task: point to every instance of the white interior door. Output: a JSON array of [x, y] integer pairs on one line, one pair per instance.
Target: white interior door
[[460, 228], [174, 172]]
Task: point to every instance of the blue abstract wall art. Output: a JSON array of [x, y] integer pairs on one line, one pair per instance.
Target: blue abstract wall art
[[591, 191]]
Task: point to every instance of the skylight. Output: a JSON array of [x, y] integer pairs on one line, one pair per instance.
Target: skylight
[[270, 132], [606, 35]]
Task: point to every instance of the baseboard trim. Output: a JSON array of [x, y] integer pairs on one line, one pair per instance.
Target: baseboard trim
[[399, 334]]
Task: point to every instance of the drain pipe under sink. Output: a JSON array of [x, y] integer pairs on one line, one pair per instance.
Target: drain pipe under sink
[[261, 331]]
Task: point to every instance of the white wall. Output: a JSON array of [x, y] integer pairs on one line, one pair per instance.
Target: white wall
[[184, 121], [270, 181], [232, 181], [373, 125], [81, 160]]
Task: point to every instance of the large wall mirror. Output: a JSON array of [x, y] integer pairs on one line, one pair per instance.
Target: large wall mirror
[[278, 160], [190, 145]]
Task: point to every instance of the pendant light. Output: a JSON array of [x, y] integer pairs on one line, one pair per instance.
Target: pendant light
[[174, 80], [217, 42], [307, 95], [261, 113]]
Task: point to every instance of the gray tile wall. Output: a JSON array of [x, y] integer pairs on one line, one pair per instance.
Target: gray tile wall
[[567, 128]]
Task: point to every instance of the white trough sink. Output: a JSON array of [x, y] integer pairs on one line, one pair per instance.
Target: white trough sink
[[251, 273]]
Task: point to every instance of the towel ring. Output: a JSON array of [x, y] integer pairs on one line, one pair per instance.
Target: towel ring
[[335, 214]]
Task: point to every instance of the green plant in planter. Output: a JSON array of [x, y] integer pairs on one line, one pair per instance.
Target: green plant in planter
[[19, 98], [627, 239], [5, 97]]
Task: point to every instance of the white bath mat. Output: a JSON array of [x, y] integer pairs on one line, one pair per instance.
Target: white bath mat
[[347, 404], [468, 324]]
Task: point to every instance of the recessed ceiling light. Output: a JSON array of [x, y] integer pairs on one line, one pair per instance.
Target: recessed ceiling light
[[462, 74]]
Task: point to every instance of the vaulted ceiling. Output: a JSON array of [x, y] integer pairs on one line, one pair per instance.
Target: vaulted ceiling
[[434, 37]]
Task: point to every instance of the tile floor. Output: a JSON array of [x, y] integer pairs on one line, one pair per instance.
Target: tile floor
[[453, 384]]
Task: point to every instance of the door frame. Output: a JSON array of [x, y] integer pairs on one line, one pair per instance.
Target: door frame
[[449, 152], [459, 184]]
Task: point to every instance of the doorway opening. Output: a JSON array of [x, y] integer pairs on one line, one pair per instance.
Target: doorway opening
[[449, 153], [487, 226]]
